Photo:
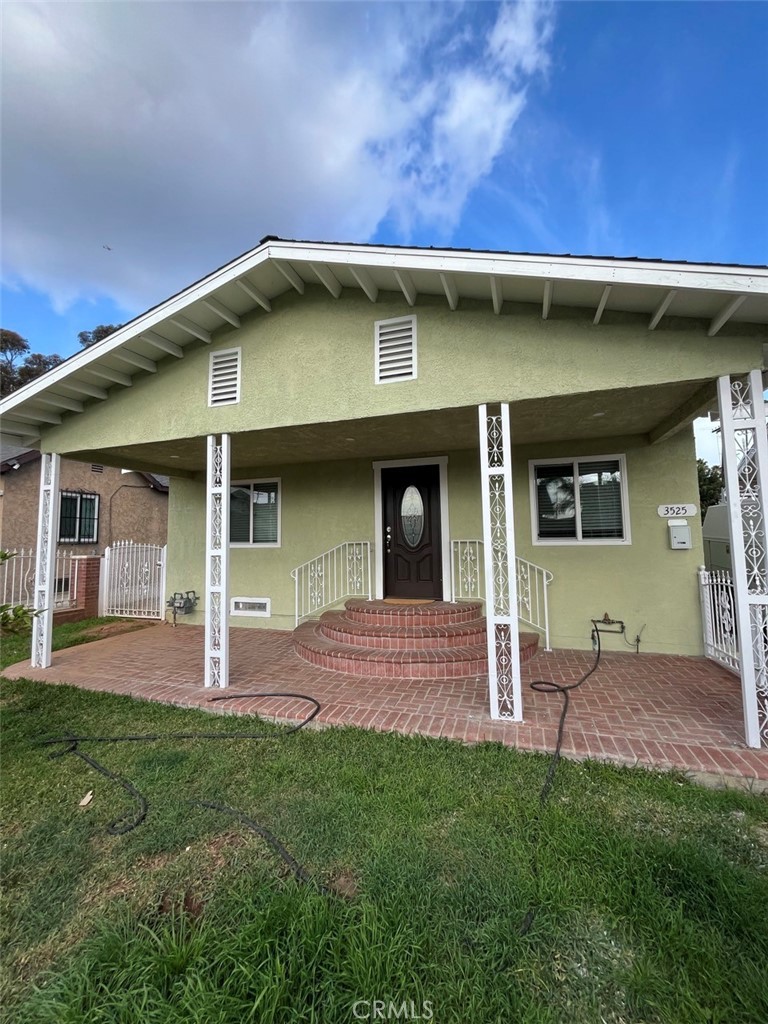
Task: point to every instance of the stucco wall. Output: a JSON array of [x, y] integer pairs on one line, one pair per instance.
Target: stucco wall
[[311, 360], [645, 583], [129, 509]]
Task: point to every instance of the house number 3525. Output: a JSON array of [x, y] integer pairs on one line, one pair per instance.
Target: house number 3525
[[665, 511]]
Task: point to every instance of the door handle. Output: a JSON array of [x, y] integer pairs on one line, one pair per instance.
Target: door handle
[[389, 539]]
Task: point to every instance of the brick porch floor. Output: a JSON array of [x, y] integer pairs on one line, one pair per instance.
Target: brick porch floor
[[655, 710]]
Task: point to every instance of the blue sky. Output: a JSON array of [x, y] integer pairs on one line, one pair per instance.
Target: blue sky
[[179, 134]]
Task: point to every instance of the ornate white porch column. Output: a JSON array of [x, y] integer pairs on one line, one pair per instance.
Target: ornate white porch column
[[745, 458], [45, 565], [500, 566], [217, 562]]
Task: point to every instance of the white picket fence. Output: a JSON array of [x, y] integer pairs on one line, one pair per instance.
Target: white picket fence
[[132, 581], [17, 578], [718, 614]]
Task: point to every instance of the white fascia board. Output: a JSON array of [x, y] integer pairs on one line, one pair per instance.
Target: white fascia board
[[566, 268]]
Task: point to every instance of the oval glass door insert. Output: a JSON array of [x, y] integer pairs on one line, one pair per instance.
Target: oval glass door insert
[[412, 516]]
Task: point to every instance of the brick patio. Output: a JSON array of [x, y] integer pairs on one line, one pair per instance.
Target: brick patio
[[654, 710]]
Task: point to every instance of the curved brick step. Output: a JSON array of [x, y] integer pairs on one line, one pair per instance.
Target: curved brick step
[[435, 613], [529, 645], [437, 663], [365, 659], [392, 636]]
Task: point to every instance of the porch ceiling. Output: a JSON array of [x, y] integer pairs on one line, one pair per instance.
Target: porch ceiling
[[587, 416]]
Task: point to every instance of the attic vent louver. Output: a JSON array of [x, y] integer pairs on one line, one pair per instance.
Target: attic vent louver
[[224, 377], [395, 349]]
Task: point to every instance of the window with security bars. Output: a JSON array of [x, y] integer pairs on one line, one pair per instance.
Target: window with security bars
[[395, 349], [254, 513], [78, 518], [224, 377], [580, 501]]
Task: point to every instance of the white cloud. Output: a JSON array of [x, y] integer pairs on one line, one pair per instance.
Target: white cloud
[[179, 134], [521, 36]]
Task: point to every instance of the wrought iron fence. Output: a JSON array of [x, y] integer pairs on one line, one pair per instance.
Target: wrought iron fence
[[468, 583], [17, 578], [333, 576], [718, 613]]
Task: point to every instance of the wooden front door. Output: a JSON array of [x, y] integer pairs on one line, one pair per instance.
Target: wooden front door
[[413, 563]]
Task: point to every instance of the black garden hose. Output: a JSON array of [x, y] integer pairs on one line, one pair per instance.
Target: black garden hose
[[564, 689], [127, 822], [130, 820]]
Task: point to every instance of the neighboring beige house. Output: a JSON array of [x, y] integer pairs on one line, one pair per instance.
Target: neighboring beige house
[[98, 504], [426, 424]]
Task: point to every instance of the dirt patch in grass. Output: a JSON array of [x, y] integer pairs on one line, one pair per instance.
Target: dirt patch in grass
[[116, 628], [343, 882], [217, 847]]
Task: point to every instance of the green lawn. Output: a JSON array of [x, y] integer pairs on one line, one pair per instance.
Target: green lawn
[[15, 648], [652, 893]]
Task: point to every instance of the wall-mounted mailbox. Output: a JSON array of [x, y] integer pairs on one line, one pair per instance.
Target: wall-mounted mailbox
[[679, 535]]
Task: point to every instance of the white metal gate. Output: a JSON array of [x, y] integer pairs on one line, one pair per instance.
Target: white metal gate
[[718, 612], [133, 581]]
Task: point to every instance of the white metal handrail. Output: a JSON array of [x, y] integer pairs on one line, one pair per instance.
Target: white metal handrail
[[333, 576], [468, 583], [17, 578], [718, 617]]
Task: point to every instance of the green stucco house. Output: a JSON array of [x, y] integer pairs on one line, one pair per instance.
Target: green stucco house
[[429, 427]]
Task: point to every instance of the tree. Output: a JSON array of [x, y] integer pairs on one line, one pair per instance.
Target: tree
[[18, 365], [87, 338], [710, 485]]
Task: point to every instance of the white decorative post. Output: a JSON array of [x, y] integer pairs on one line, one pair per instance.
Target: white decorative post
[[45, 566], [745, 458], [499, 552], [217, 562]]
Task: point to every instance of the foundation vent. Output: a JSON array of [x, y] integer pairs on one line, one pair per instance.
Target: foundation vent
[[261, 606]]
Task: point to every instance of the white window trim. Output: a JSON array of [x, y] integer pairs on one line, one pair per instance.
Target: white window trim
[[549, 542], [263, 544], [395, 320], [266, 614], [211, 359], [80, 495]]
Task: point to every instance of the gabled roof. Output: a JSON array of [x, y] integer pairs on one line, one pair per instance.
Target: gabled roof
[[16, 458], [654, 288]]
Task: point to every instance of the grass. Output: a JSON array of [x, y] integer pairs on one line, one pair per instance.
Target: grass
[[15, 648], [652, 893]]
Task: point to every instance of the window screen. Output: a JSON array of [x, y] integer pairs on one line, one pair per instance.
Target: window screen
[[600, 499]]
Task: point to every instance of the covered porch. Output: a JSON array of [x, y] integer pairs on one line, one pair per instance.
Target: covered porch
[[654, 710], [330, 475]]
